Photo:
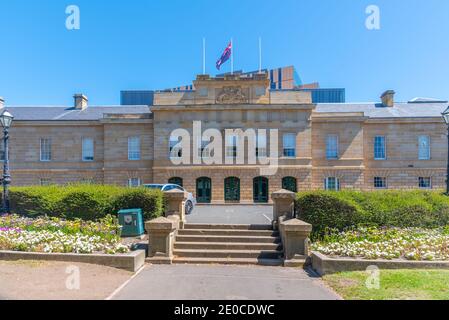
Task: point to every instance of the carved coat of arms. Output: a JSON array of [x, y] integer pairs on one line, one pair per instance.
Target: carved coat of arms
[[231, 95]]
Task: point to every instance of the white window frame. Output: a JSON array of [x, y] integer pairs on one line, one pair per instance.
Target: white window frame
[[45, 143], [384, 148], [132, 185], [174, 153], [330, 149], [203, 150], [88, 154], [134, 148], [327, 184], [261, 146], [424, 154], [382, 187], [425, 188], [44, 182], [232, 142], [286, 147]]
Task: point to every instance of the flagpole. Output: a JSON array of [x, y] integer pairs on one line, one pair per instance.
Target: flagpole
[[260, 54], [232, 56], [204, 56]]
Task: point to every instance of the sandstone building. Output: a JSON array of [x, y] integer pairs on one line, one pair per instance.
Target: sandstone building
[[369, 146]]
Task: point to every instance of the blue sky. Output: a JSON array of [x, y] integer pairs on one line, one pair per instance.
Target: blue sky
[[154, 44]]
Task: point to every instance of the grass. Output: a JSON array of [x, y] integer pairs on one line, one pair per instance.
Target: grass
[[394, 285]]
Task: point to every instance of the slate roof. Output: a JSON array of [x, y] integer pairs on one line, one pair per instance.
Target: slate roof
[[400, 110], [61, 113]]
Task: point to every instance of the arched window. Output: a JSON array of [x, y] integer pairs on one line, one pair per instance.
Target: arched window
[[176, 180], [260, 189], [203, 190], [290, 184], [232, 189]]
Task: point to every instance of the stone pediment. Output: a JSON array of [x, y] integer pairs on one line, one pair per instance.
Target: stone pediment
[[231, 95]]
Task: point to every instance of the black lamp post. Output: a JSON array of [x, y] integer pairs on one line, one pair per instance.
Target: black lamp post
[[445, 115], [6, 121]]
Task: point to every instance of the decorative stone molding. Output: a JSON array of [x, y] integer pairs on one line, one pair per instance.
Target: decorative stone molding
[[231, 95], [161, 233], [175, 205], [284, 205]]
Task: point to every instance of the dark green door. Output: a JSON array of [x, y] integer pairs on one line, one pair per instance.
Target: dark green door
[[260, 189], [232, 189], [176, 180], [203, 190], [289, 183]]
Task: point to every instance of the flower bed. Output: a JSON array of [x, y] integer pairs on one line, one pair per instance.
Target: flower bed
[[52, 235], [415, 244]]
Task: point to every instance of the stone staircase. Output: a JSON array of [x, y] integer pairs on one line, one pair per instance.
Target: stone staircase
[[228, 244]]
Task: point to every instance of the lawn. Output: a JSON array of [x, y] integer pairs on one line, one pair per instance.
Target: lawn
[[394, 285]]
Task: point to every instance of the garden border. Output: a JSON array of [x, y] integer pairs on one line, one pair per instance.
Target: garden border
[[131, 261], [323, 264]]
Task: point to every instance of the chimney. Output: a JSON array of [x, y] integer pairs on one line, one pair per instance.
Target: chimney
[[388, 98], [2, 103], [80, 101]]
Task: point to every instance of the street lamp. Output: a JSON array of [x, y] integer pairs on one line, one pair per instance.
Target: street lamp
[[6, 121], [445, 115]]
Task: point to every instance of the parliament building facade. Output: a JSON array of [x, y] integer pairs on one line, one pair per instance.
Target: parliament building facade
[[365, 146]]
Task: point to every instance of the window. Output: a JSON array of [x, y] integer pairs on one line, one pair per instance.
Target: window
[[380, 182], [261, 146], [332, 184], [332, 147], [424, 148], [289, 145], [88, 149], [425, 182], [45, 182], [174, 150], [203, 150], [290, 184], [260, 91], [231, 146], [176, 180], [45, 149], [379, 148], [134, 182], [134, 148]]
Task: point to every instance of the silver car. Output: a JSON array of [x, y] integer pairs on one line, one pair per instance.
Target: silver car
[[190, 202]]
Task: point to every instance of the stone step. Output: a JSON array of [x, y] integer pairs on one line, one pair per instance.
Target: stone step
[[228, 246], [229, 226], [199, 253], [232, 261], [227, 239], [229, 232]]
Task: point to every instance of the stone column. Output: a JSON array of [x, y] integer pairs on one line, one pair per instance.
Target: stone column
[[284, 205], [295, 240], [161, 233], [175, 205]]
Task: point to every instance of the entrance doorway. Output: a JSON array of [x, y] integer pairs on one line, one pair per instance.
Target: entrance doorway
[[260, 190], [203, 190], [232, 189]]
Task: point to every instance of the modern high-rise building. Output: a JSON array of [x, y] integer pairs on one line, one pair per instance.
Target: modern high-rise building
[[285, 78]]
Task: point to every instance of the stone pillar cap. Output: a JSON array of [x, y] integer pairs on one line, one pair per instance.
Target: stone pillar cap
[[283, 194], [161, 223], [175, 194], [296, 225]]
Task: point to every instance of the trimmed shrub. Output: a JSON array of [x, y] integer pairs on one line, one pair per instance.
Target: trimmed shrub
[[150, 201], [83, 201], [341, 210]]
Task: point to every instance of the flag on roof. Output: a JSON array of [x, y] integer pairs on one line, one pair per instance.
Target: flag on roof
[[225, 56]]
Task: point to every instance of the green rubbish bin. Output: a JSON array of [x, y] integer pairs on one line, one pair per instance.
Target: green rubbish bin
[[131, 221]]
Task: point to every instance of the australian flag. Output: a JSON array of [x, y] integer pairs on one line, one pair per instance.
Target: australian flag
[[225, 56]]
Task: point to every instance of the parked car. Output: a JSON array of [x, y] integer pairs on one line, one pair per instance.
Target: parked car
[[190, 202]]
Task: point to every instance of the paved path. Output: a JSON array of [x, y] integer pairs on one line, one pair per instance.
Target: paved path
[[191, 282], [234, 214]]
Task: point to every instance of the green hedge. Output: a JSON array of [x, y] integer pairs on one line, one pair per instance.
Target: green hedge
[[340, 210], [83, 201]]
